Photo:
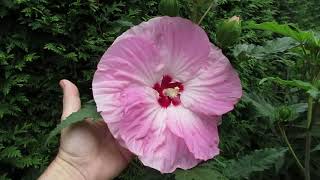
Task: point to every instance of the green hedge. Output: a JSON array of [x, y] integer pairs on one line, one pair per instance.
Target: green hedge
[[43, 41]]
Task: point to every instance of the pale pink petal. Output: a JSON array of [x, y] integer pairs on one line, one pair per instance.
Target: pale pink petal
[[172, 154], [140, 119], [134, 59], [199, 132], [143, 129], [106, 93], [127, 62], [180, 135], [215, 89], [183, 45]]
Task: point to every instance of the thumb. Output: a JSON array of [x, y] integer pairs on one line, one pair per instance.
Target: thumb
[[71, 99]]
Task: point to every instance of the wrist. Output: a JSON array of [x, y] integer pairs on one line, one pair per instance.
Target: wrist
[[62, 170]]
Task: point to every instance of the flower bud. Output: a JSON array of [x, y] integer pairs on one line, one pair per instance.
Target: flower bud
[[169, 7], [285, 113], [229, 31], [235, 19]]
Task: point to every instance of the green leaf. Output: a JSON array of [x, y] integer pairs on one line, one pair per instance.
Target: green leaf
[[308, 87], [88, 111], [317, 148], [199, 173], [300, 107], [150, 174], [30, 57], [278, 45], [261, 105], [257, 161], [57, 48], [284, 29], [125, 23], [72, 56], [10, 152], [275, 112]]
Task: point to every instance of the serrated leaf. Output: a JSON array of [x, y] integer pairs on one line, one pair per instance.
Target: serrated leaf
[[257, 161], [10, 152], [71, 55], [88, 111], [278, 45], [199, 173], [261, 105], [57, 48], [30, 57]]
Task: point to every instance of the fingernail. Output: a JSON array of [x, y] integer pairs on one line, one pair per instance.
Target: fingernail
[[62, 84]]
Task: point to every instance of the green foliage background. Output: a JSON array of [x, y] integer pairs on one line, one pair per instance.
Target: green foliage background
[[43, 41]]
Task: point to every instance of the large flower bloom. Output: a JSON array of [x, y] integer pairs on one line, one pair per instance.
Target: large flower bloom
[[162, 88]]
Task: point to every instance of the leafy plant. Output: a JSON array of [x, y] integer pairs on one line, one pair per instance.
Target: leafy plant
[[243, 167], [309, 52], [200, 173], [257, 161], [45, 41]]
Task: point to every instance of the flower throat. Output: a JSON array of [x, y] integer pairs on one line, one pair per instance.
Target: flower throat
[[169, 91]]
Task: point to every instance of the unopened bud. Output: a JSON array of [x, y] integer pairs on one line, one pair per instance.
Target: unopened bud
[[169, 7], [235, 19], [229, 31], [284, 113]]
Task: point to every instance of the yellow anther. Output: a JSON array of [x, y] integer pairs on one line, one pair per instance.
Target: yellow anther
[[171, 92]]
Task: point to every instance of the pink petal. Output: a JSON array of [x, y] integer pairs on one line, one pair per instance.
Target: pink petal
[[134, 59], [129, 61], [144, 132], [106, 93], [183, 45], [142, 117], [161, 51], [200, 133], [172, 154], [216, 88]]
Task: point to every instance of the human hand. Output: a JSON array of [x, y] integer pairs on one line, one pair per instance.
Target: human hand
[[87, 149]]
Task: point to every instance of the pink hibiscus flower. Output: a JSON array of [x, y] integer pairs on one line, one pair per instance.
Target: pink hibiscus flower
[[162, 88]]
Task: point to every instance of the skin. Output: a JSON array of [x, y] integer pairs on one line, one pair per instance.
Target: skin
[[87, 150]]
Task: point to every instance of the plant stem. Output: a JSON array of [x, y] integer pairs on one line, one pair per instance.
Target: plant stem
[[308, 139], [207, 11], [283, 133], [307, 156], [310, 109]]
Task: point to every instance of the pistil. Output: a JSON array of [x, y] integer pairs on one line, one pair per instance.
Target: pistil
[[169, 91]]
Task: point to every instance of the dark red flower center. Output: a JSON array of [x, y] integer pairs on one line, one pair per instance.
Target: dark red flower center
[[169, 91]]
